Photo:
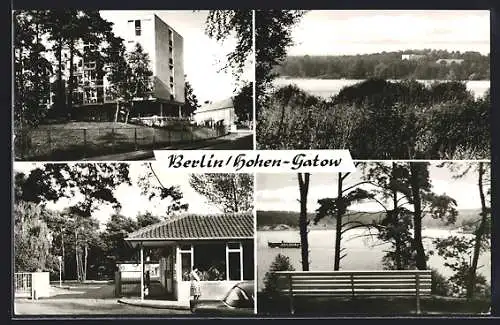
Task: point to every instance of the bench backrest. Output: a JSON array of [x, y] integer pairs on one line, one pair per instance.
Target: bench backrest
[[355, 283]]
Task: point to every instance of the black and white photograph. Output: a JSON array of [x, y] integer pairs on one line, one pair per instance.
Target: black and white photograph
[[114, 85], [393, 238], [131, 239], [385, 84]]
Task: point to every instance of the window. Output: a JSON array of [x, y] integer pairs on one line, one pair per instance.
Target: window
[[137, 28], [210, 259], [234, 258], [171, 79], [186, 252], [248, 261], [170, 50]]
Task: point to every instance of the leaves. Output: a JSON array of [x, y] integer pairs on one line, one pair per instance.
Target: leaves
[[230, 192]]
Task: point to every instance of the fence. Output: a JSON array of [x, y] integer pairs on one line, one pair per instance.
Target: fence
[[50, 143], [31, 285]]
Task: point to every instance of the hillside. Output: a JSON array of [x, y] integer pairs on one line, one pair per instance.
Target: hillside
[[283, 220]]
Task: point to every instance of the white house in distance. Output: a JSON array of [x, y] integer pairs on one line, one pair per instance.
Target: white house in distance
[[449, 61], [217, 114], [412, 56], [220, 246]]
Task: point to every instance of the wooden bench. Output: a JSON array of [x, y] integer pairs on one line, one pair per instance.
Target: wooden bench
[[354, 284]]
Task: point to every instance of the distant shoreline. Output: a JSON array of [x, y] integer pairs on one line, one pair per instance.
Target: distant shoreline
[[286, 77]]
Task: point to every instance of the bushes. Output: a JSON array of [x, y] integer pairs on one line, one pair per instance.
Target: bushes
[[377, 119], [280, 263], [440, 285]]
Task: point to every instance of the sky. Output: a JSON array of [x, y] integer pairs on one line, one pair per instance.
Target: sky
[[338, 32], [132, 202], [280, 192], [203, 57]]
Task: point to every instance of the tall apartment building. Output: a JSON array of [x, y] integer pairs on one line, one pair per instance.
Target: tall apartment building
[[164, 47]]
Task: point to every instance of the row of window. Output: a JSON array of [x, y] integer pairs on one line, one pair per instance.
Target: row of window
[[218, 261]]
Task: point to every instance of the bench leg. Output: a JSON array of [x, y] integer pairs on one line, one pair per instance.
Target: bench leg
[[292, 309]]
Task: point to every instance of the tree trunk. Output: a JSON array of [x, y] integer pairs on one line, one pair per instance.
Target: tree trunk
[[71, 75], [338, 226], [235, 198], [117, 111], [304, 188], [471, 284], [63, 259], [417, 217], [59, 90], [128, 111], [85, 263]]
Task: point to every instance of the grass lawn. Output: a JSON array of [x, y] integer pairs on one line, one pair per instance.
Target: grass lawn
[[77, 140], [377, 306]]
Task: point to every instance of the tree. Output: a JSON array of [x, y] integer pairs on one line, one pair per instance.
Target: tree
[[466, 251], [280, 263], [32, 239], [337, 208], [303, 222], [220, 24], [273, 35], [391, 188], [32, 70], [94, 183], [230, 192], [243, 103], [119, 75], [141, 73], [60, 27], [191, 102], [117, 229]]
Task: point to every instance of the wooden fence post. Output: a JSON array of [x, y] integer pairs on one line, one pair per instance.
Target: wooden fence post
[[352, 285], [290, 294], [135, 138], [417, 283], [118, 285], [49, 140], [112, 139], [84, 143]]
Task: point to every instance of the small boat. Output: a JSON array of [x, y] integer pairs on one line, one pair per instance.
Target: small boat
[[283, 244]]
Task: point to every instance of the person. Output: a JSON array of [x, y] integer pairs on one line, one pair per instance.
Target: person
[[147, 282], [195, 287]]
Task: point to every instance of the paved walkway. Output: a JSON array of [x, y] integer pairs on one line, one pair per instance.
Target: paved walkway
[[161, 304]]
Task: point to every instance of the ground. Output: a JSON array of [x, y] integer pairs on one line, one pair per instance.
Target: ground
[[376, 306], [85, 299]]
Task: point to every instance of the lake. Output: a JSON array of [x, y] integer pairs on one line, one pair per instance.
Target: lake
[[363, 253], [327, 88]]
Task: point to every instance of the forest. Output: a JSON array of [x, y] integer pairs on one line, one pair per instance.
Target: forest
[[380, 119], [388, 65]]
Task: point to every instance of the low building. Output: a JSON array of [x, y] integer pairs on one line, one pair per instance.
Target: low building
[[220, 246], [449, 61], [217, 114]]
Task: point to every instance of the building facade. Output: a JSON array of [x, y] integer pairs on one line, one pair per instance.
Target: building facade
[[220, 246], [219, 113], [164, 47]]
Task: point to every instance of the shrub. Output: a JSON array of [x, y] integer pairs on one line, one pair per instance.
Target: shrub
[[280, 263], [440, 285]]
